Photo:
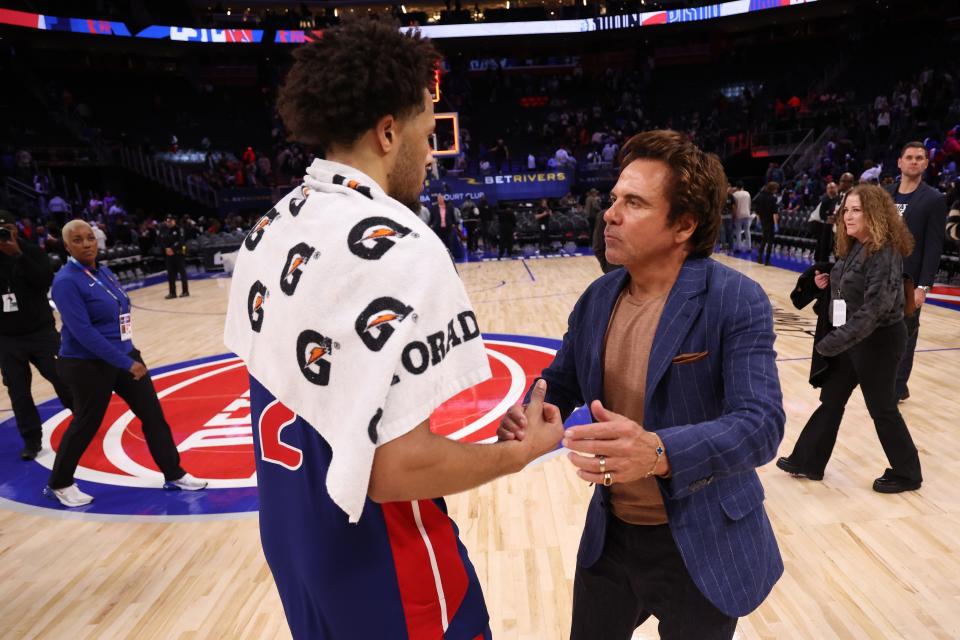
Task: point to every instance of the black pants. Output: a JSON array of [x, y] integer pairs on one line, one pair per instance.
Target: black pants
[[766, 242], [17, 353], [177, 265], [473, 234], [912, 324], [872, 364], [92, 382], [641, 574], [506, 241]]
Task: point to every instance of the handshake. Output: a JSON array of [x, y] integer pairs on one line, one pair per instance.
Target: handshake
[[612, 449]]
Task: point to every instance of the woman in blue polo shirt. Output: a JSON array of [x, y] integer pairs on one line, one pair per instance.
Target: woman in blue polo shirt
[[97, 358]]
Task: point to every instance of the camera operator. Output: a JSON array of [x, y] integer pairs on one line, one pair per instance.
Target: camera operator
[[28, 333]]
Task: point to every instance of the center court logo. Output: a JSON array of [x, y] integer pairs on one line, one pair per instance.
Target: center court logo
[[207, 404]]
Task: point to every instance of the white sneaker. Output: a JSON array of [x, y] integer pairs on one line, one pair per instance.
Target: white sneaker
[[186, 483], [68, 496]]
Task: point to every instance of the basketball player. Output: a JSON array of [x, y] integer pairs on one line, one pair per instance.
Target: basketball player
[[354, 328]]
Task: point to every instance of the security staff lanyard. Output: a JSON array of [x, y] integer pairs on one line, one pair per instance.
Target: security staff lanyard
[[126, 322], [839, 304]]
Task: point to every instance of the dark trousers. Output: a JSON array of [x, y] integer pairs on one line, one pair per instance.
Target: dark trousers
[[17, 353], [912, 324], [177, 265], [872, 364], [473, 234], [506, 241], [766, 242], [92, 382], [640, 574]]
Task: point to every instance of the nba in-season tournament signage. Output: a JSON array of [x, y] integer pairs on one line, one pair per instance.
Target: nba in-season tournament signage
[[207, 403]]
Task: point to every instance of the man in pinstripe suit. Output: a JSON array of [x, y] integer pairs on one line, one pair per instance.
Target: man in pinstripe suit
[[674, 355]]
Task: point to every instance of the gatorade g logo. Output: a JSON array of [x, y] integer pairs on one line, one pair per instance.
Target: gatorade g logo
[[377, 322], [312, 351], [256, 298], [297, 203], [372, 428], [297, 259], [373, 237], [256, 234]]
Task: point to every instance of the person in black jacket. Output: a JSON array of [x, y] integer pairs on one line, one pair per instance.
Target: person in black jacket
[[868, 339], [823, 222], [174, 243], [507, 222], [28, 333], [925, 211], [803, 294], [765, 204]]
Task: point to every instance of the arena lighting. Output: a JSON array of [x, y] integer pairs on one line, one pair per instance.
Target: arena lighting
[[477, 30]]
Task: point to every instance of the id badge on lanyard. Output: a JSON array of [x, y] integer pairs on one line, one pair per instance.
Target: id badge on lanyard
[[839, 313], [10, 303], [126, 326]]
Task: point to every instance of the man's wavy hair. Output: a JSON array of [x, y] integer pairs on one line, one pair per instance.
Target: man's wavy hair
[[698, 184], [884, 223], [341, 85]]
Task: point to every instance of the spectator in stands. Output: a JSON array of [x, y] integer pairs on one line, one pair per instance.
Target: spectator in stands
[[925, 212], [507, 221], [543, 216], [822, 219], [765, 204], [953, 221], [591, 207], [59, 208], [174, 244], [487, 224], [97, 358], [741, 220], [501, 154], [775, 173], [28, 333], [99, 234], [867, 342], [470, 214], [445, 222], [726, 221]]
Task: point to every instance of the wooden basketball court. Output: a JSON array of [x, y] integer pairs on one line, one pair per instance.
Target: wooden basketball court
[[858, 564]]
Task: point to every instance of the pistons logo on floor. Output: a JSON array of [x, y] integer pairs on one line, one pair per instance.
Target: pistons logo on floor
[[207, 405]]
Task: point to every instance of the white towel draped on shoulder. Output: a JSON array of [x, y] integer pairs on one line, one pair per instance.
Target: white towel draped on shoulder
[[347, 308]]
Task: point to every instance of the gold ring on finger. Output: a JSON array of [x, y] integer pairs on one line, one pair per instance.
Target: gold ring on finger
[[607, 479], [603, 464]]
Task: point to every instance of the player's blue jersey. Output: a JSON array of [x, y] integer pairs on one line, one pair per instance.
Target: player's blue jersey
[[400, 572]]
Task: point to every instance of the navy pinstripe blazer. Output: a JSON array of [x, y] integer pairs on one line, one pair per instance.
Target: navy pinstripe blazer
[[719, 416]]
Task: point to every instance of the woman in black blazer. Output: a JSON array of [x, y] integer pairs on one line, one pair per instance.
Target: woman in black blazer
[[866, 309]]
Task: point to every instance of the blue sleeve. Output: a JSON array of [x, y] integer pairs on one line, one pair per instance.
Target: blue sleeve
[[749, 432], [73, 313], [563, 386]]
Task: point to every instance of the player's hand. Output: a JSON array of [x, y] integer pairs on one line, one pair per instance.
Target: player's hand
[[919, 296], [544, 424], [168, 251], [138, 370], [513, 424]]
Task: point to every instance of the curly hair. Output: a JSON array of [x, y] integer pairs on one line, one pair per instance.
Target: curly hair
[[357, 73], [698, 183], [884, 223]]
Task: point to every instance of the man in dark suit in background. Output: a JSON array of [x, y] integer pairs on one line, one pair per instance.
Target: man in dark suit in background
[[174, 243], [674, 356], [925, 211]]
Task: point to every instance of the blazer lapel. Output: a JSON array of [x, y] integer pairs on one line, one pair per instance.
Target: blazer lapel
[[680, 311]]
